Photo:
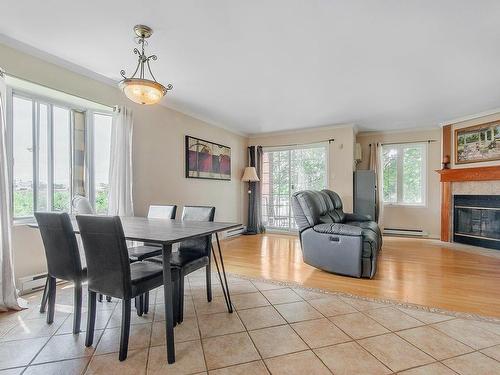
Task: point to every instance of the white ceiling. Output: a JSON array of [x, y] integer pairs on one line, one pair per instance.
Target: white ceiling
[[269, 65]]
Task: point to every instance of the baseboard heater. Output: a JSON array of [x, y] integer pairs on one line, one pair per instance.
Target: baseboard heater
[[405, 232], [238, 231], [31, 283]]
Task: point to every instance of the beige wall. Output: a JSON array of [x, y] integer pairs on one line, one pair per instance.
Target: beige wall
[[465, 124], [158, 154], [426, 218], [341, 154]]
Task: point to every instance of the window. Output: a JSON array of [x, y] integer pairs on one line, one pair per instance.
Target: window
[[404, 173], [57, 151], [284, 171]]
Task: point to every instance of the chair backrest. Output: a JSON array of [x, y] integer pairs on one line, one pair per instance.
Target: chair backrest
[[337, 213], [81, 205], [198, 213], [61, 248], [108, 267], [310, 208], [162, 212]]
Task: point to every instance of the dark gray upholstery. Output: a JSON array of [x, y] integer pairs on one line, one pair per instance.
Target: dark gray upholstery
[[110, 272], [193, 254], [333, 240], [63, 261]]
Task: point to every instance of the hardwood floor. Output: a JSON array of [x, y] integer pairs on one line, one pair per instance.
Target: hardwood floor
[[424, 272]]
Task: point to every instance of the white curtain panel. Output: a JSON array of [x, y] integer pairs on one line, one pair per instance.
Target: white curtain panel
[[120, 167], [8, 293]]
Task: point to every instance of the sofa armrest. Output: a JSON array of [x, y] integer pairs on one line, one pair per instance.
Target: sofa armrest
[[357, 217], [338, 229]]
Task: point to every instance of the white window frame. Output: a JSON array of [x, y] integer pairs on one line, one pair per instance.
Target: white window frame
[[399, 182], [326, 146], [50, 102]]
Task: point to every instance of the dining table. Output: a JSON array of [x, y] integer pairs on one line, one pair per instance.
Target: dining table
[[165, 233]]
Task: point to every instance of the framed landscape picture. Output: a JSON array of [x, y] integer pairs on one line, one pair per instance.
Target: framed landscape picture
[[477, 143], [207, 160]]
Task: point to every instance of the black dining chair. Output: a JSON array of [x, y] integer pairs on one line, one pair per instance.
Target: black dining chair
[[193, 254], [148, 250], [110, 272], [63, 261]]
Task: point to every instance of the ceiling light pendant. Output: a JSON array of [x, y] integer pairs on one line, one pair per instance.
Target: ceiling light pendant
[[139, 89]]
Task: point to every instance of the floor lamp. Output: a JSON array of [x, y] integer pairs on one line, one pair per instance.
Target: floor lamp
[[250, 175]]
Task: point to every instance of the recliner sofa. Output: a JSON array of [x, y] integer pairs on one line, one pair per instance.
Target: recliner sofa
[[332, 240]]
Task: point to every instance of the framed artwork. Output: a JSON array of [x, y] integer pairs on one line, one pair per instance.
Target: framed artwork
[[207, 160], [477, 143]]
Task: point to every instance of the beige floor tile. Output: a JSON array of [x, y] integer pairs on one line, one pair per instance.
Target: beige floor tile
[[426, 316], [101, 320], [393, 319], [297, 364], [6, 326], [493, 352], [309, 294], [275, 341], [358, 325], [261, 317], [469, 333], [249, 300], [435, 343], [488, 326], [32, 328], [186, 331], [228, 350], [139, 338], [12, 356], [277, 296], [361, 304], [473, 364], [61, 347], [108, 364], [330, 306], [350, 359], [432, 369], [159, 310], [12, 371], [72, 366], [394, 352], [241, 287], [217, 305], [267, 285], [219, 324], [252, 368], [188, 359], [320, 332], [116, 318], [298, 311]]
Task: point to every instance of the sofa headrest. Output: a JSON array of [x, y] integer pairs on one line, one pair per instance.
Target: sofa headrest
[[337, 202], [307, 206]]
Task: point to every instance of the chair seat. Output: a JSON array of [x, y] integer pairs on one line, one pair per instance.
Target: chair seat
[[138, 253], [181, 259], [146, 276]]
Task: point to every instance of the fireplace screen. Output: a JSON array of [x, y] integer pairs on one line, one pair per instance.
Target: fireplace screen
[[477, 220]]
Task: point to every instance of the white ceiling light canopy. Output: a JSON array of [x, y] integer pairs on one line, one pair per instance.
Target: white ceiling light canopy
[[140, 89]]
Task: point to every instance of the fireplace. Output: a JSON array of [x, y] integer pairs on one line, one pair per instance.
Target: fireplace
[[476, 220]]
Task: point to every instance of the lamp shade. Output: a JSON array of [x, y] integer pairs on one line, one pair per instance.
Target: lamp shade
[[250, 175]]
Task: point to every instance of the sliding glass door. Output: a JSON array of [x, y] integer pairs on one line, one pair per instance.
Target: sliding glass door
[[286, 170]]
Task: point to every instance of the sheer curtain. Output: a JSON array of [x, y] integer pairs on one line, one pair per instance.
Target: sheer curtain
[[255, 198], [8, 293], [376, 165], [120, 166]]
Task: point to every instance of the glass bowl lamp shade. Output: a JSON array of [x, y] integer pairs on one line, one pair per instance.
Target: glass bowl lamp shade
[[142, 91]]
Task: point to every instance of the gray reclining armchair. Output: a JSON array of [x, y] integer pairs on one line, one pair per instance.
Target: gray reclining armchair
[[333, 240]]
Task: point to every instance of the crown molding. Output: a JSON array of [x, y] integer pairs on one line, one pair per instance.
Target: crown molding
[[396, 131], [303, 130], [471, 117]]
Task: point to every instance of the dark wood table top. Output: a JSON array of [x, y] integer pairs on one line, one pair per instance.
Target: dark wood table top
[[163, 231]]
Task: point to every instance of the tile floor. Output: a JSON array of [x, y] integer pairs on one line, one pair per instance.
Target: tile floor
[[275, 329]]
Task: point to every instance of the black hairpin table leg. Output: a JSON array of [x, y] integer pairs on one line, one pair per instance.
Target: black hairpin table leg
[[224, 284]]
